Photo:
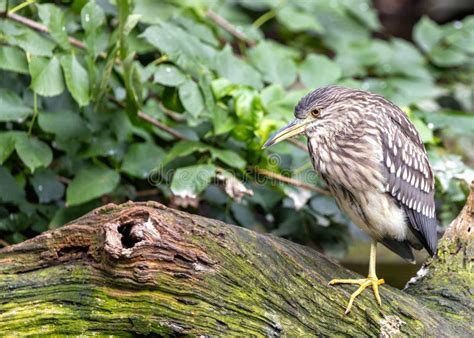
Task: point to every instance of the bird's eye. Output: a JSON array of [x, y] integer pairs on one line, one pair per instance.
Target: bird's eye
[[316, 112]]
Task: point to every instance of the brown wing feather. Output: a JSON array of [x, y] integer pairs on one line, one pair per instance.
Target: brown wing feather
[[409, 177]]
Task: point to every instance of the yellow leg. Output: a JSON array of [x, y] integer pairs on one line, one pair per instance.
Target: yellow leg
[[363, 283]]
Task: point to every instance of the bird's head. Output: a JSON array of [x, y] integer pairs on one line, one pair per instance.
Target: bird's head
[[323, 109]]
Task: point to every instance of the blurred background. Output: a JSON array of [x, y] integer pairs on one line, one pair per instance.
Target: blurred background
[[172, 100]]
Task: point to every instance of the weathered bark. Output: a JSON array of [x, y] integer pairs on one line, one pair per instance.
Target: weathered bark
[[142, 268]]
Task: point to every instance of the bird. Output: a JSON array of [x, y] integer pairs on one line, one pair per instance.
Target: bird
[[374, 163]]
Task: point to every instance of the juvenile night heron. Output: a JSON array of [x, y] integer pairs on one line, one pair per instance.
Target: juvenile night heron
[[374, 163]]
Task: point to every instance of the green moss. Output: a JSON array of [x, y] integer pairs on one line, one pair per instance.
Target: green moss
[[258, 286]]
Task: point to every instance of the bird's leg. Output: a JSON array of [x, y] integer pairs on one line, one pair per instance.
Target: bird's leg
[[371, 280]]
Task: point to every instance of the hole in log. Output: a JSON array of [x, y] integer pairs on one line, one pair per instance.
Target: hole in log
[[71, 250], [128, 241]]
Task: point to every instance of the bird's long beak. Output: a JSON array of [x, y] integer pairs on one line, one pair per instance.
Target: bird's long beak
[[294, 128]]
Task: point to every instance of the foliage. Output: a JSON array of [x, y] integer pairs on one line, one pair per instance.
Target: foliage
[[75, 114]]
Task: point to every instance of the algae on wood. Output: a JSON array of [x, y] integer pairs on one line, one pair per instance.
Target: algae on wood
[[142, 268]]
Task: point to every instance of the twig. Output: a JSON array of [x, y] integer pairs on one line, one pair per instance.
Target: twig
[[174, 115], [161, 126], [41, 28], [148, 192], [291, 181], [4, 243], [298, 144], [152, 120], [228, 27], [63, 179]]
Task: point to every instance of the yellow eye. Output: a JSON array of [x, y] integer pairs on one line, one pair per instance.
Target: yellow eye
[[316, 112]]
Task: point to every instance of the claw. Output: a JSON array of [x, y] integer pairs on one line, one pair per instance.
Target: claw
[[374, 282]]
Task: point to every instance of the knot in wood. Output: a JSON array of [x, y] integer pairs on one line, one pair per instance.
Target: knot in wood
[[133, 228]]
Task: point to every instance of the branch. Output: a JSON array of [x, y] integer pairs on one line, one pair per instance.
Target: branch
[[40, 27], [148, 192], [291, 181], [172, 114], [228, 27], [161, 126], [144, 269], [145, 117], [298, 144]]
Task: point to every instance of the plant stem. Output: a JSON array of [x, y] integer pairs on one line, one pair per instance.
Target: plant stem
[[264, 18], [228, 27], [35, 112], [20, 6]]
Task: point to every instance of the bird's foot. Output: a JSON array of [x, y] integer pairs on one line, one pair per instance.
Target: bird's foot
[[363, 283]]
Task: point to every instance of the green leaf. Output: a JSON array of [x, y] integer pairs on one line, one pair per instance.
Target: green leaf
[[229, 157], [92, 17], [53, 18], [185, 148], [123, 11], [298, 20], [236, 70], [141, 159], [133, 84], [448, 57], [12, 107], [130, 23], [245, 216], [324, 205], [65, 215], [405, 58], [319, 70], [278, 103], [453, 123], [90, 183], [202, 31], [186, 50], [64, 124], [191, 98], [248, 107], [33, 152], [426, 133], [427, 34], [11, 190], [47, 186], [191, 181], [46, 76], [13, 59], [222, 120], [7, 145], [153, 12], [365, 14], [222, 87], [77, 80], [27, 39], [412, 89], [168, 75], [463, 35], [274, 62]]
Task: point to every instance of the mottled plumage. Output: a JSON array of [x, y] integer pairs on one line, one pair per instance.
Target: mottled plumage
[[373, 161]]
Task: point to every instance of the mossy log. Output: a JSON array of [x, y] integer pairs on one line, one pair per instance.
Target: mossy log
[[144, 269]]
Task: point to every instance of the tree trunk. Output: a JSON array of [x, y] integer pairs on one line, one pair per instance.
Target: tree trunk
[[142, 268]]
